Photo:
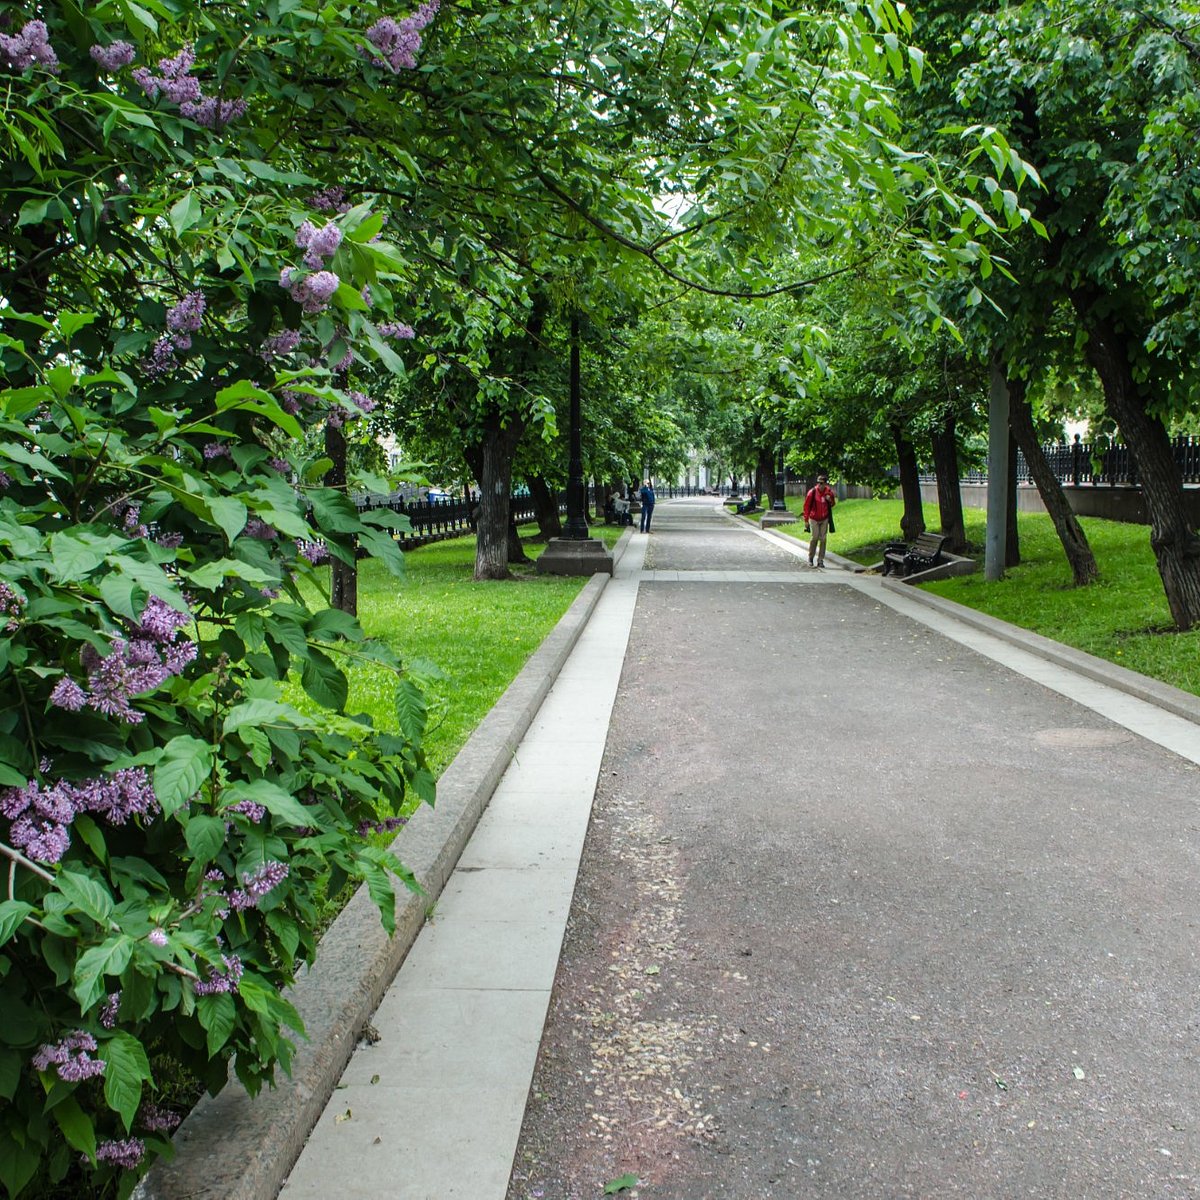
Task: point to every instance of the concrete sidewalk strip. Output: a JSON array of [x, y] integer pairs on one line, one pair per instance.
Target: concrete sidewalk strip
[[462, 1023]]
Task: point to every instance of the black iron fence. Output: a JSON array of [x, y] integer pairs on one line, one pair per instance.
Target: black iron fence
[[1096, 463]]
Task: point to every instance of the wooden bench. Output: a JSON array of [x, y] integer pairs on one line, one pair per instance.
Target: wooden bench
[[900, 558]]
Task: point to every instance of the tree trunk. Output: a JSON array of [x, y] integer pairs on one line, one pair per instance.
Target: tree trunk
[[1176, 547], [945, 464], [545, 505], [1012, 535], [343, 577], [765, 478], [491, 462], [912, 524], [1074, 541]]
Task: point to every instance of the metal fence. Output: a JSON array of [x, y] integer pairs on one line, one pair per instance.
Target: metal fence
[[434, 520], [1095, 463]]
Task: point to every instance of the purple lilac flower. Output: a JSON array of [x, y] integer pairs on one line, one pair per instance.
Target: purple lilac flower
[[188, 314], [161, 360], [118, 797], [330, 199], [126, 1154], [399, 41], [280, 344], [315, 552], [211, 112], [71, 1058], [387, 825], [318, 244], [221, 981], [5, 481], [216, 450], [361, 401], [313, 292], [68, 694], [279, 464], [248, 808], [114, 56], [366, 293], [257, 884], [21, 51], [40, 819], [174, 80], [397, 329], [343, 364], [157, 937], [109, 1010], [292, 401], [43, 841], [158, 1120], [170, 541], [10, 606], [256, 527]]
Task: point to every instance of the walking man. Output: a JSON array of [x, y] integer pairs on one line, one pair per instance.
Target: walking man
[[818, 513], [646, 496]]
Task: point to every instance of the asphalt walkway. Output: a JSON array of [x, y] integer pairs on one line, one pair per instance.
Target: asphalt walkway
[[798, 888]]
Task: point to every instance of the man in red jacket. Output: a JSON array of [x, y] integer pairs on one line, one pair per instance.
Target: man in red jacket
[[818, 508]]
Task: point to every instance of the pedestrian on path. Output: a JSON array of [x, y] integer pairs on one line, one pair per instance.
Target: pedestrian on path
[[646, 495], [818, 518]]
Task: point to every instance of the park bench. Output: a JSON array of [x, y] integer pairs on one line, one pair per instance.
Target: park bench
[[900, 558]]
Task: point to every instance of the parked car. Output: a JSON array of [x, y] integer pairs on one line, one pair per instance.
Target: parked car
[[437, 495]]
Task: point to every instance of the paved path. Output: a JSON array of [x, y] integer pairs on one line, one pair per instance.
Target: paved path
[[870, 905]]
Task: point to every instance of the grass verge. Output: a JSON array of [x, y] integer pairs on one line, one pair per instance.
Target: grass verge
[[1123, 617]]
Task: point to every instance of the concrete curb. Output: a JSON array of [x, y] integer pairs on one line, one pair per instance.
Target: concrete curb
[[234, 1147], [1163, 695]]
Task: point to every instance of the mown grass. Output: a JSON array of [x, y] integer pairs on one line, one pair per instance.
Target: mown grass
[[1123, 617]]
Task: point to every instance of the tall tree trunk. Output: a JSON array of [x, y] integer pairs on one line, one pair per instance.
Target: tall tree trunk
[[945, 464], [912, 523], [765, 477], [491, 462], [1176, 547], [1012, 535], [343, 577], [545, 505], [1066, 524]]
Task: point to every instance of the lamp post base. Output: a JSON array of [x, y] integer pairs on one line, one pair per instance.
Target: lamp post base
[[575, 556], [776, 517]]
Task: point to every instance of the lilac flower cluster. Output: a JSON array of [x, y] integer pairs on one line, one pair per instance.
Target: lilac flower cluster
[[257, 884], [176, 82], [330, 199], [399, 41], [397, 329], [20, 51], [257, 528], [10, 606], [71, 1058], [109, 1010], [292, 401], [152, 653], [280, 345], [361, 401], [314, 552], [216, 450], [318, 244], [127, 1154], [41, 819], [158, 1120], [5, 481], [387, 825], [113, 57], [221, 981], [158, 937], [312, 292], [131, 518], [248, 808], [183, 319]]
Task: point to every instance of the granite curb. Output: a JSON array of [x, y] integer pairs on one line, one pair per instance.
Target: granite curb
[[1163, 695], [235, 1147]]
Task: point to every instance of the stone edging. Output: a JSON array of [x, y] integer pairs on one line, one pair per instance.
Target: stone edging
[[232, 1147], [1163, 695]]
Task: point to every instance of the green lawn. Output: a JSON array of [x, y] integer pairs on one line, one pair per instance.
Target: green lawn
[[1123, 617]]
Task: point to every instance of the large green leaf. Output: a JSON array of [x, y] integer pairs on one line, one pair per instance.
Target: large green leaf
[[324, 681], [178, 775], [126, 1070], [109, 958], [86, 895], [12, 916], [277, 801], [218, 1016]]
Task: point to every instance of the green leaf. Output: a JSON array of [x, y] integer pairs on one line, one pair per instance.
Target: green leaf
[[277, 801], [217, 1016], [76, 1126], [230, 514], [324, 681], [75, 553], [85, 895], [109, 958], [411, 710], [205, 835], [180, 772], [185, 212], [89, 833], [18, 1163], [624, 1183], [383, 546], [12, 916], [126, 1069], [261, 712]]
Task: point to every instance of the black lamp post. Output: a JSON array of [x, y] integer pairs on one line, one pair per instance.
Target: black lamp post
[[780, 485], [577, 526]]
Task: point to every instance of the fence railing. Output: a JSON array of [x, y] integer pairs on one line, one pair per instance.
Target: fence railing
[[434, 520], [1095, 463]]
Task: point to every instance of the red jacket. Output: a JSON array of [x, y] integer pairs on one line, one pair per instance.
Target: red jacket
[[819, 502]]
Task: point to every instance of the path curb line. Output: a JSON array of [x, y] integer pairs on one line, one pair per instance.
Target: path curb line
[[1162, 695], [234, 1147]]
